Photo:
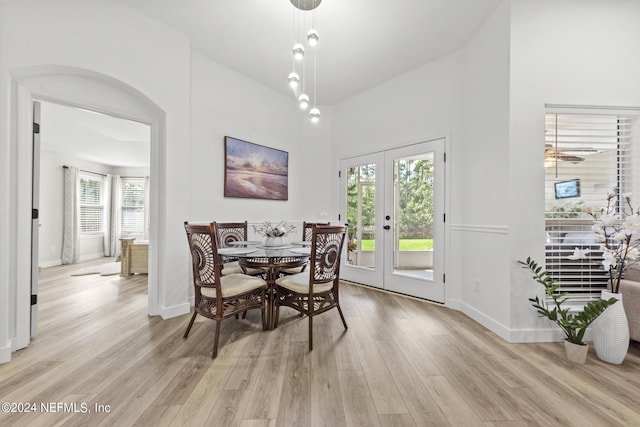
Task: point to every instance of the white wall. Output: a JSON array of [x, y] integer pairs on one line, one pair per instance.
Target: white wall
[[489, 98], [52, 207], [479, 226], [576, 52], [226, 103], [112, 40], [153, 63], [410, 108], [464, 97]]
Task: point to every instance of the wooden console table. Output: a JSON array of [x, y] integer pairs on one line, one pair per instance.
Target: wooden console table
[[134, 257]]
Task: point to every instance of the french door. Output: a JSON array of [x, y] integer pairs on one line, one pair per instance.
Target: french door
[[393, 202]]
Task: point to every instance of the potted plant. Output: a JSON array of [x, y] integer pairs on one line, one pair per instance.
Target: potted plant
[[573, 324], [616, 227], [274, 233]]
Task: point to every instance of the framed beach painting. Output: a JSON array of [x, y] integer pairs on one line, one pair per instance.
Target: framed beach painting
[[254, 171]]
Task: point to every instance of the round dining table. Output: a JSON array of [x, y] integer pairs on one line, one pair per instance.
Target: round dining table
[[272, 260]]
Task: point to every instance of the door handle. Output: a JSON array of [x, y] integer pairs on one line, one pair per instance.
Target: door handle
[[387, 227]]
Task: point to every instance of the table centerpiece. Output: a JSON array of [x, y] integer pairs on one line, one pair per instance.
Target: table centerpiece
[[274, 234]]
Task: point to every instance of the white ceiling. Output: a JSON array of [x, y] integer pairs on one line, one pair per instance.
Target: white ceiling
[[93, 136], [362, 44]]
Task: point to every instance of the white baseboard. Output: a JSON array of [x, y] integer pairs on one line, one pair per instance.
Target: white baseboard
[[489, 323], [88, 257], [55, 262], [175, 311], [5, 354], [51, 263], [535, 335], [517, 335], [453, 303]]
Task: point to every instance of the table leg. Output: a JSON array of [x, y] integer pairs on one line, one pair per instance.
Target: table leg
[[272, 275]]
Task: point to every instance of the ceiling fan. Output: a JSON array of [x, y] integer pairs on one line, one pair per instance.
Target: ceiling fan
[[553, 154]]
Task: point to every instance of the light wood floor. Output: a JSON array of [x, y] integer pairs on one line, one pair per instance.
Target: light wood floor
[[402, 362]]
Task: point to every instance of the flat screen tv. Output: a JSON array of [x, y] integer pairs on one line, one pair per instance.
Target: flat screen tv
[[567, 189]]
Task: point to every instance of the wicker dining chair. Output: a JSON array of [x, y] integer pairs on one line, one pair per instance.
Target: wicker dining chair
[[218, 297], [307, 229], [228, 232], [317, 290]]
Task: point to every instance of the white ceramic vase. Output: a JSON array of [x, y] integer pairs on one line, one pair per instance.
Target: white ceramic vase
[[610, 331], [274, 241], [575, 352]]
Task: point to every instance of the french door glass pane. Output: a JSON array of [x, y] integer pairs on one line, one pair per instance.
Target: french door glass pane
[[361, 202], [413, 204]]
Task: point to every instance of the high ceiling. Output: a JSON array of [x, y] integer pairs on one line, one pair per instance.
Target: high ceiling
[[362, 42]]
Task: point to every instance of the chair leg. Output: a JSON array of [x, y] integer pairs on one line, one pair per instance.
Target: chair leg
[[244, 314], [186, 334], [342, 316], [215, 340]]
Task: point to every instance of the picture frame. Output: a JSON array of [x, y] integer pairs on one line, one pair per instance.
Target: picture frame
[[254, 171]]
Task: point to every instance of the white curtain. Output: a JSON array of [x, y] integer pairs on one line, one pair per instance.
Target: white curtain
[[113, 230], [70, 246], [146, 208]]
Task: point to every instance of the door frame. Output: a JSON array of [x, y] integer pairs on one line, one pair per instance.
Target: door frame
[[373, 277], [148, 113], [446, 253], [405, 283], [35, 222]]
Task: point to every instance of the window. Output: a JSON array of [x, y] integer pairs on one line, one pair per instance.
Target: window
[[133, 215], [91, 204], [586, 156]]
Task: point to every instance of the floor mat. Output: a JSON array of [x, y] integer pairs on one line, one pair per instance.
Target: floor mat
[[109, 269]]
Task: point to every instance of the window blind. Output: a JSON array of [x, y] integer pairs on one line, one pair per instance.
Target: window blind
[[132, 196], [586, 157], [91, 206]]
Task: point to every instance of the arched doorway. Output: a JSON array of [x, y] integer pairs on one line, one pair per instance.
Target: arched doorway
[[90, 90]]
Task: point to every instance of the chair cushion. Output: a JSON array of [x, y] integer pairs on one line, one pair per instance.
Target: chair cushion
[[234, 268], [235, 284], [300, 283], [294, 270]]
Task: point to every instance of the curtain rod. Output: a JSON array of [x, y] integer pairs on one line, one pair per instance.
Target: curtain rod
[[82, 170], [101, 174]]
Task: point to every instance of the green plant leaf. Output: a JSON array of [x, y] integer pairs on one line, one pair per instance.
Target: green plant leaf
[[574, 325]]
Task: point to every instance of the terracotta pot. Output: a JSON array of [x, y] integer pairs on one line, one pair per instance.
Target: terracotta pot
[[576, 353]]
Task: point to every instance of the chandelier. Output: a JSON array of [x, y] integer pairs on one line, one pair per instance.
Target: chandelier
[[310, 38]]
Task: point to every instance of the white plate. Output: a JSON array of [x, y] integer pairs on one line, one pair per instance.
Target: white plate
[[235, 251], [244, 243], [304, 251], [302, 243]]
